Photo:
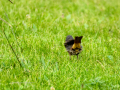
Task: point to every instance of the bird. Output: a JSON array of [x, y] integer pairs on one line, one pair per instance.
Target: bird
[[73, 46]]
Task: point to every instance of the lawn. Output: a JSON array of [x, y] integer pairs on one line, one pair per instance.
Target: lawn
[[37, 31]]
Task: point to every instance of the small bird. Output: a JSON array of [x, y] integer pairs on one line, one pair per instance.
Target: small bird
[[73, 46]]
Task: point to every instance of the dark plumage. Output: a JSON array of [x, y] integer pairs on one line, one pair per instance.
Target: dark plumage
[[73, 46]]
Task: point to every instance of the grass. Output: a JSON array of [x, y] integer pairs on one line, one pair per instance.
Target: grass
[[40, 28]]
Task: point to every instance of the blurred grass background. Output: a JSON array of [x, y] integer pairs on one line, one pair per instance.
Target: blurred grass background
[[40, 28]]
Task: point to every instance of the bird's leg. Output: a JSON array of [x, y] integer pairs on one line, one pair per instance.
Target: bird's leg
[[77, 56], [70, 57]]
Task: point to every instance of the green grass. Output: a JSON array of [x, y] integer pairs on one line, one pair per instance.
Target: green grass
[[40, 28]]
